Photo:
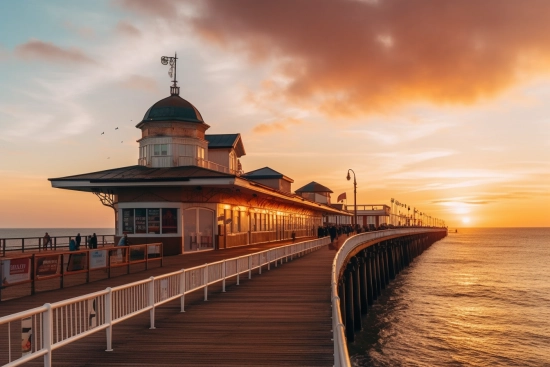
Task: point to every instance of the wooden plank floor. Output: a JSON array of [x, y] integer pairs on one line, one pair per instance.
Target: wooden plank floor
[[281, 317]]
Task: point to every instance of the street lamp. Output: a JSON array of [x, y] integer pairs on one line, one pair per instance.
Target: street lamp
[[354, 194]]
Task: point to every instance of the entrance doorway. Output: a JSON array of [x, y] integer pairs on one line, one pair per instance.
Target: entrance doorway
[[198, 224]]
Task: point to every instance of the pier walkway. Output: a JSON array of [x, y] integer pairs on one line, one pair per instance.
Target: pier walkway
[[281, 317]]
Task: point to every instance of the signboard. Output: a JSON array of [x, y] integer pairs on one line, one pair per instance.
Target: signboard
[[141, 220], [98, 259], [153, 220], [137, 253], [47, 266], [16, 271], [128, 220], [153, 251], [117, 256], [77, 262]]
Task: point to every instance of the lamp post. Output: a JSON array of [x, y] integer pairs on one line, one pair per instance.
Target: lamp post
[[354, 194]]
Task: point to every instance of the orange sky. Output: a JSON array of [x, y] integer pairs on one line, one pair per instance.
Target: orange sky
[[439, 104]]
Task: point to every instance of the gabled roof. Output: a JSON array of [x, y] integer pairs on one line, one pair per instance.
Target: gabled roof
[[265, 173], [314, 187], [145, 174], [225, 141]]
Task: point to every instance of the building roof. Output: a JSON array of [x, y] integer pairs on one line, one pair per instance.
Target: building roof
[[265, 173], [173, 108], [314, 187], [226, 141], [145, 174]]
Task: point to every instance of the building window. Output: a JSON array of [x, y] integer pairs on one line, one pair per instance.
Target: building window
[[152, 221], [160, 149]]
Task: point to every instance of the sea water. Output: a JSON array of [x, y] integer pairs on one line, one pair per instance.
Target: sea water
[[479, 297]]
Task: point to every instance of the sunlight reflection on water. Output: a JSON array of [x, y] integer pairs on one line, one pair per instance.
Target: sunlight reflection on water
[[480, 297]]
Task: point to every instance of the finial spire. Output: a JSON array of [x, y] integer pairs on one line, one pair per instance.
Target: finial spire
[[165, 60]]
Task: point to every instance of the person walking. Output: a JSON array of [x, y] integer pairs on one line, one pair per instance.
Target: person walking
[[123, 240]]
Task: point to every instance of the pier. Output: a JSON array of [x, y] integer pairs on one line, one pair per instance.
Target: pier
[[279, 317]]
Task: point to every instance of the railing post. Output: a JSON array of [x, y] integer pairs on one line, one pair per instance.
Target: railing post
[[206, 282], [268, 260], [109, 319], [224, 272], [182, 291], [249, 266], [47, 332], [152, 303]]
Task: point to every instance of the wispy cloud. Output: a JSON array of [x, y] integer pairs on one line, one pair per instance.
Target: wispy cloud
[[276, 126], [45, 51], [128, 29], [140, 82]]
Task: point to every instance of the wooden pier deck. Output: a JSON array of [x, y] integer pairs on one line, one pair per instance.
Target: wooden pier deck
[[281, 317]]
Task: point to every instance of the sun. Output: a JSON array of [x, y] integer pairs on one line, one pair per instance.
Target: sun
[[466, 220]]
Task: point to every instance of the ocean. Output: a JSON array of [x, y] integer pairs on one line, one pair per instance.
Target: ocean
[[479, 297]]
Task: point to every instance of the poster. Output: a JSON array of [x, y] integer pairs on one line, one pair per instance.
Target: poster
[[47, 266], [153, 220], [169, 220], [77, 262], [141, 221], [98, 259], [16, 270], [128, 220], [26, 336]]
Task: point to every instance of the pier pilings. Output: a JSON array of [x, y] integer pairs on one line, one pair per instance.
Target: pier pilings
[[369, 271]]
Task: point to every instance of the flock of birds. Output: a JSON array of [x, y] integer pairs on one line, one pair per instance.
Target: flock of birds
[[116, 128]]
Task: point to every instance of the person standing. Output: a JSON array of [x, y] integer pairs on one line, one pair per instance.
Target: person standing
[[93, 241], [123, 240], [47, 240], [78, 239]]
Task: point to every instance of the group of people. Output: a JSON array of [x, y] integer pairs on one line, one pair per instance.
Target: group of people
[[335, 231], [74, 243]]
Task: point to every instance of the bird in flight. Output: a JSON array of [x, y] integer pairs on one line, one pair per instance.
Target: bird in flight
[[116, 128], [122, 141], [103, 133]]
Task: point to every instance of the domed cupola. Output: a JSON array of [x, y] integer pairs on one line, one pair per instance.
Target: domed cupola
[[173, 108], [172, 130]]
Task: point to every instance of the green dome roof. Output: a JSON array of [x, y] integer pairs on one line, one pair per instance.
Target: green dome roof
[[172, 108]]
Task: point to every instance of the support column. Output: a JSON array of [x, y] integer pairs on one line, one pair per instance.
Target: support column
[[363, 282], [350, 322], [356, 295], [370, 283]]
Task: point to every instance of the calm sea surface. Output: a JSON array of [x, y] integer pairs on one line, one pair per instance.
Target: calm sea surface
[[479, 297]]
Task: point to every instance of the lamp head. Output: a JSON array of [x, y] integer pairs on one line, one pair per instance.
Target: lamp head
[[348, 176]]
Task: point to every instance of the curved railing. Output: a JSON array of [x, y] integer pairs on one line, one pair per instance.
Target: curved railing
[[57, 324], [341, 356]]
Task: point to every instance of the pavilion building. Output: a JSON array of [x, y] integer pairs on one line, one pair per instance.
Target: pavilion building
[[189, 191]]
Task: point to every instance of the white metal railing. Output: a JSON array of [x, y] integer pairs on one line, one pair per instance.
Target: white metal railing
[[57, 324], [341, 356]]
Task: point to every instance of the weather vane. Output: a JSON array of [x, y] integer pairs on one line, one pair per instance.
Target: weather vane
[[165, 60]]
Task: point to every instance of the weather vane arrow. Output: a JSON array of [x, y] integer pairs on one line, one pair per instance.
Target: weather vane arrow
[[165, 60]]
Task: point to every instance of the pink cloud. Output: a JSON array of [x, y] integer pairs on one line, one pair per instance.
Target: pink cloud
[[127, 29], [38, 50]]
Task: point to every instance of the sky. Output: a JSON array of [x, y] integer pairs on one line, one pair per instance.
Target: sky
[[439, 104]]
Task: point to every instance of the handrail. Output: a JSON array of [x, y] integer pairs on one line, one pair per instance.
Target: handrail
[[13, 244], [341, 356], [57, 324]]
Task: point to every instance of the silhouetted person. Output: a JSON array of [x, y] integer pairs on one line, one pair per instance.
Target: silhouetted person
[[78, 239], [47, 240]]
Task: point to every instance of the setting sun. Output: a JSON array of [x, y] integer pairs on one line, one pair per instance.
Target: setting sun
[[466, 220]]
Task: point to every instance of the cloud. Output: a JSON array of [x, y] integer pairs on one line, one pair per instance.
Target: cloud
[[277, 126], [125, 28], [85, 32], [139, 82], [4, 54], [349, 58], [162, 8], [38, 50]]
